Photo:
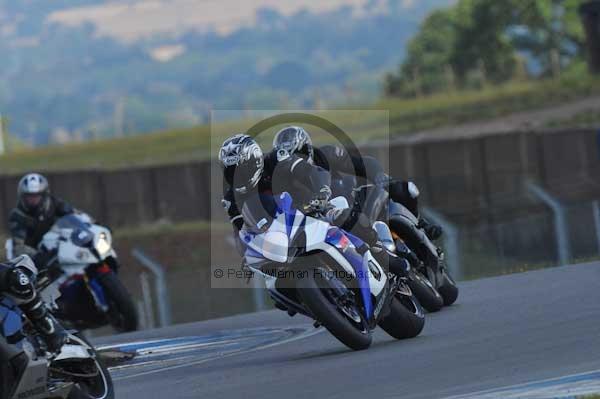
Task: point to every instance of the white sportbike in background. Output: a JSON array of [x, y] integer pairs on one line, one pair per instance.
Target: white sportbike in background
[[92, 295]]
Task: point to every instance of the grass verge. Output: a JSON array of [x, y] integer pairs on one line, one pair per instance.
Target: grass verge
[[406, 116]]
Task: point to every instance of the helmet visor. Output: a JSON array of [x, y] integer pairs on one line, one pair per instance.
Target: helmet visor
[[32, 201], [287, 140]]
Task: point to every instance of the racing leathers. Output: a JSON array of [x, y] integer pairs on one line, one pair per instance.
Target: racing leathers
[[27, 230]]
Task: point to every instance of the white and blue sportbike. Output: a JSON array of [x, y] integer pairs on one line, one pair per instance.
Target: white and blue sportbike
[[316, 269]]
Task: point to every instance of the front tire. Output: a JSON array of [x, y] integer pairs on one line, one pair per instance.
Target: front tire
[[425, 292], [406, 318], [102, 387], [123, 314], [330, 316], [448, 289], [82, 391]]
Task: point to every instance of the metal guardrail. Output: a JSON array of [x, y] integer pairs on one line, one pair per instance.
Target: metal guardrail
[[561, 228], [160, 284], [451, 244]]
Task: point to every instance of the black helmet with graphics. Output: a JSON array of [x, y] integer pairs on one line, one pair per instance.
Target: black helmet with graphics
[[242, 161], [294, 140]]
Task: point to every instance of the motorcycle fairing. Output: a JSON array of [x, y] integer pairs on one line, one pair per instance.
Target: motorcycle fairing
[[320, 235]]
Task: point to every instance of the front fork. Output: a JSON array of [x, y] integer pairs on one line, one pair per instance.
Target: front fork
[[92, 282]]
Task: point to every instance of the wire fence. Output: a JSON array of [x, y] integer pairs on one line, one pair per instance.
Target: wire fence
[[528, 242]]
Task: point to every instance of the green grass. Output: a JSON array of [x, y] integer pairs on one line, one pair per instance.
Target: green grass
[[461, 107], [406, 116], [588, 118]]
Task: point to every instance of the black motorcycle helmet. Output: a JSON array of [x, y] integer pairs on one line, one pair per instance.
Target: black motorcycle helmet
[[33, 193], [242, 161], [294, 140]]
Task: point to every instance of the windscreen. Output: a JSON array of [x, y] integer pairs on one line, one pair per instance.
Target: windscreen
[[258, 212], [72, 222]]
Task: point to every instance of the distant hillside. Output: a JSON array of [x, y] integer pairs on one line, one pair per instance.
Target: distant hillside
[[81, 69]]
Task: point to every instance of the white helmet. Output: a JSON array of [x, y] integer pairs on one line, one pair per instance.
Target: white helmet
[[33, 192]]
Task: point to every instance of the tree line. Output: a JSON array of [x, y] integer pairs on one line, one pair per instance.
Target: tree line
[[479, 42]]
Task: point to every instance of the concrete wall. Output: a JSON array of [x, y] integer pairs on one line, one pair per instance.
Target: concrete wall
[[469, 179]]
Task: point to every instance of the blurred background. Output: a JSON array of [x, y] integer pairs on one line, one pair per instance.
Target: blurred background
[[494, 112]]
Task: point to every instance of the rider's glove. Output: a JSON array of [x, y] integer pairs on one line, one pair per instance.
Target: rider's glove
[[320, 201]]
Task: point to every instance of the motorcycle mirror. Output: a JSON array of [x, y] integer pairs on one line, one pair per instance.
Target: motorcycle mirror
[[385, 235]]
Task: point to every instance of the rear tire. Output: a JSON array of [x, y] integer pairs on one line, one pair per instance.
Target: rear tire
[[427, 295], [124, 317], [406, 318], [448, 289], [330, 316]]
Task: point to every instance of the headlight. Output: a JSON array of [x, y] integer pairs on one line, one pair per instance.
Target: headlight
[[103, 245]]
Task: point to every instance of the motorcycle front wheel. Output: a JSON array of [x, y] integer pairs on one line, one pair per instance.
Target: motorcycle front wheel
[[425, 292], [98, 383], [406, 318], [342, 321], [448, 288], [123, 314]]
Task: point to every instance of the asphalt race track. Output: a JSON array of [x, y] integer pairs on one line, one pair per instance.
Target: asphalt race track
[[503, 331]]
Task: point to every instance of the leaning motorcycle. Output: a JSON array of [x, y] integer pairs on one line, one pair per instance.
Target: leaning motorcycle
[[92, 295], [428, 278], [34, 373], [315, 269], [426, 258]]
